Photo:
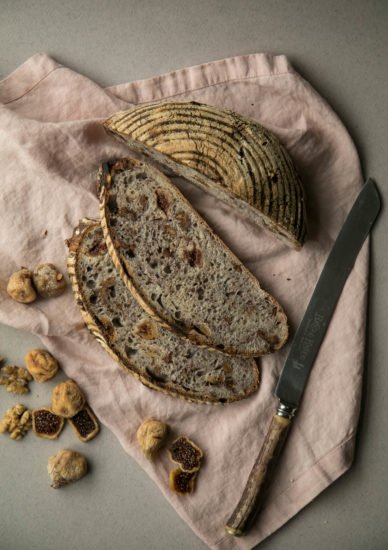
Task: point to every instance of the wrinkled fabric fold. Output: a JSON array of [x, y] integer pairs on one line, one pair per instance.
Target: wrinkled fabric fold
[[51, 144]]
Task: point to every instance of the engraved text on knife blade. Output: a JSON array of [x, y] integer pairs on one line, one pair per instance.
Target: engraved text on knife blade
[[308, 339]]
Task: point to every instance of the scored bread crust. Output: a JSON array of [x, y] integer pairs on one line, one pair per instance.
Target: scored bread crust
[[107, 173], [75, 250], [228, 155]]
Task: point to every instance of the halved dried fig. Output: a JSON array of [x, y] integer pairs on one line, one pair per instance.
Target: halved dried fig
[[85, 424], [186, 454], [181, 482], [47, 424]]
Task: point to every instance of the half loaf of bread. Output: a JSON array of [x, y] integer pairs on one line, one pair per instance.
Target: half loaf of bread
[[230, 156], [154, 355], [180, 272]]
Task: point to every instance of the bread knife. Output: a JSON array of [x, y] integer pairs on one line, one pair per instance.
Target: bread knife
[[303, 351]]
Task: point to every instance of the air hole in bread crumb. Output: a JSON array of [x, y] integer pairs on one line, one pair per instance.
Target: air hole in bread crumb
[[129, 351], [112, 204]]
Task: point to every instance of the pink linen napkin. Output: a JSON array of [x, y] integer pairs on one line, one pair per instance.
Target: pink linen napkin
[[51, 143]]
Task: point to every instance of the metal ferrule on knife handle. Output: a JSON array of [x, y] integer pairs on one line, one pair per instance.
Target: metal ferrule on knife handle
[[259, 479]]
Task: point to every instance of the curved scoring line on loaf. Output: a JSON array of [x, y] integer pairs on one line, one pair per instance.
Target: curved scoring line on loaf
[[172, 109], [93, 325], [297, 191], [290, 188], [267, 345], [231, 147], [232, 174], [156, 123], [155, 110], [259, 192], [299, 202], [210, 166]]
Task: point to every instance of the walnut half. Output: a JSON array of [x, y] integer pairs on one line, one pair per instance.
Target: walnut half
[[16, 421]]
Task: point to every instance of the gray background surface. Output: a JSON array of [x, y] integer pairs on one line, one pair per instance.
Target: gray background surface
[[341, 47]]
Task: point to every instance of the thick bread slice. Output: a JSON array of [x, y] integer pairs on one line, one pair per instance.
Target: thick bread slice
[[181, 273], [154, 355], [230, 156]]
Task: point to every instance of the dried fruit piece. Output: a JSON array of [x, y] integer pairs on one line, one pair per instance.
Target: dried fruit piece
[[15, 379], [16, 421], [186, 454], [48, 281], [67, 399], [47, 424], [66, 466], [20, 287], [41, 364], [85, 424], [181, 482], [150, 436]]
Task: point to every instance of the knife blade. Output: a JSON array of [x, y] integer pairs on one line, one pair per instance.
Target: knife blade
[[303, 351]]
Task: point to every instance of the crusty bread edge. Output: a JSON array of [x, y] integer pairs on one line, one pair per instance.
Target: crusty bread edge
[[104, 185], [73, 246]]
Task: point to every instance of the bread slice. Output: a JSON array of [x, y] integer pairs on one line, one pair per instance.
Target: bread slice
[[230, 156], [180, 272], [154, 355]]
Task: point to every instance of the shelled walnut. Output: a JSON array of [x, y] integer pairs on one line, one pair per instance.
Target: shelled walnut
[[41, 364], [48, 281], [15, 379], [16, 421], [66, 466], [67, 399], [20, 287]]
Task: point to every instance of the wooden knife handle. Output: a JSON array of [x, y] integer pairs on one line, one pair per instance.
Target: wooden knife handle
[[259, 478]]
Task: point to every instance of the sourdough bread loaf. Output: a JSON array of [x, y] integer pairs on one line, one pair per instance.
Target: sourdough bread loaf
[[151, 353], [230, 156], [180, 272]]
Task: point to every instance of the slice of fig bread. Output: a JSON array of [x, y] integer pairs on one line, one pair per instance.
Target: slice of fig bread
[[180, 272], [158, 358]]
